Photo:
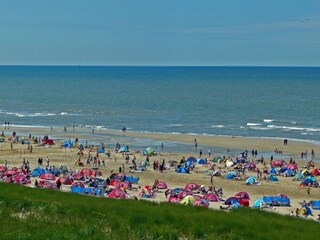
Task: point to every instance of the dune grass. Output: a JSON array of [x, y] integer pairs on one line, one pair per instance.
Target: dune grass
[[28, 213]]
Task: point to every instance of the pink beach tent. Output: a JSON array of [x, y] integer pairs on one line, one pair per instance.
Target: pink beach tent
[[184, 193], [192, 186], [242, 195], [11, 172], [278, 163], [87, 171], [201, 202], [47, 184], [212, 197], [117, 193], [174, 199], [3, 168], [21, 179], [48, 176], [292, 166], [162, 185]]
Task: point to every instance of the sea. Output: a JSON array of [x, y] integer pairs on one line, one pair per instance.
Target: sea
[[270, 102]]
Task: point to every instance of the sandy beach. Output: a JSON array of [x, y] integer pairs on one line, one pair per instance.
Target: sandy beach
[[68, 156]]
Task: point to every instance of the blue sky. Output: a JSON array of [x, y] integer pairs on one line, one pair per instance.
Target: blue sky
[[164, 32]]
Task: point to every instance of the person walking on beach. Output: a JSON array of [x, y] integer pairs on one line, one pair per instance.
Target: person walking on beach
[[308, 191]]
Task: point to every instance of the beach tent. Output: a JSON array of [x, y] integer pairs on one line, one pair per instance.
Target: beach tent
[[184, 192], [231, 200], [117, 193], [231, 175], [188, 200], [162, 185], [148, 151], [315, 172], [48, 176], [201, 202], [278, 163], [188, 163], [132, 179], [235, 205], [217, 158], [273, 178], [279, 200], [212, 197], [229, 163], [192, 186], [289, 173], [242, 195], [244, 202], [250, 165], [257, 202], [315, 204], [3, 168], [273, 170], [299, 176], [283, 169], [292, 166], [101, 150], [251, 180], [124, 149], [38, 171], [67, 144], [182, 170], [202, 161], [47, 184], [174, 199], [191, 159], [86, 171]]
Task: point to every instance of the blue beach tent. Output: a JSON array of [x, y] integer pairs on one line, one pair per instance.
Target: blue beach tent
[[182, 170], [202, 161], [273, 178], [315, 204], [191, 159]]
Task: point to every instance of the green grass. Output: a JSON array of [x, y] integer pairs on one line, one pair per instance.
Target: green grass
[[28, 213]]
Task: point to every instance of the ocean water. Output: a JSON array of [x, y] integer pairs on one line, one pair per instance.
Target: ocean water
[[277, 102]]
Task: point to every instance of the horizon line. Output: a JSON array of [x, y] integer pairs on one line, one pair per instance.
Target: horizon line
[[165, 66]]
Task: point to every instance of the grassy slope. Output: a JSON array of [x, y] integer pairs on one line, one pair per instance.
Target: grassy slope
[[28, 213]]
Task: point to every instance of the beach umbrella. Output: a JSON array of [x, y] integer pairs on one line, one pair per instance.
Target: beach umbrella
[[188, 200], [192, 186]]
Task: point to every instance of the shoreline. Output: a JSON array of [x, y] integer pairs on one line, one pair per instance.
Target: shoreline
[[265, 145]]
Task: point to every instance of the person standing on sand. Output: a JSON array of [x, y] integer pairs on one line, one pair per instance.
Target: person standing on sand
[[308, 190]]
